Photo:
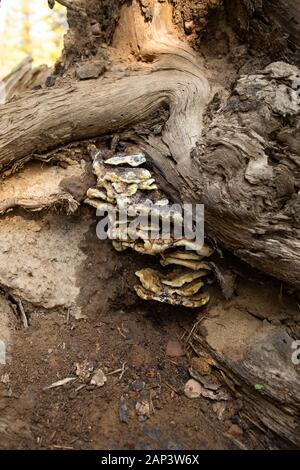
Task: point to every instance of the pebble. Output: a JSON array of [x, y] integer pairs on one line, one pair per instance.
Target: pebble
[[137, 385], [84, 370], [50, 81], [87, 71], [96, 29], [123, 411], [189, 27], [192, 389], [99, 378], [142, 409]]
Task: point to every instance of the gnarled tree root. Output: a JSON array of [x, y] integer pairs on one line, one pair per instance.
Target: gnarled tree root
[[244, 165]]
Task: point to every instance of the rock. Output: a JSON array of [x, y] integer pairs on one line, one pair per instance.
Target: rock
[[87, 71], [201, 365], [174, 349], [137, 385], [50, 81], [123, 411], [99, 378], [192, 389], [96, 29], [204, 406], [235, 431], [143, 409], [189, 27], [83, 370]]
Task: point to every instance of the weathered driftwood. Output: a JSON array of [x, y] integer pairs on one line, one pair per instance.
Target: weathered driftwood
[[244, 164]]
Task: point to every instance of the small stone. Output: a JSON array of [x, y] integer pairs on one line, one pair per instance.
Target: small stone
[[137, 385], [84, 370], [142, 409], [50, 81], [96, 29], [123, 411], [189, 27], [235, 431], [174, 349], [87, 71], [192, 389], [204, 407], [99, 378]]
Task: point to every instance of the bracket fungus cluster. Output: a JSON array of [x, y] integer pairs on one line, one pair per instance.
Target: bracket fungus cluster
[[139, 216]]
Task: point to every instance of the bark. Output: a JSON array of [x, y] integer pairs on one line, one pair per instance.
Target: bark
[[271, 26]]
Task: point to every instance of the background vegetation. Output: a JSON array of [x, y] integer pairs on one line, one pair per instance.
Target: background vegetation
[[29, 27]]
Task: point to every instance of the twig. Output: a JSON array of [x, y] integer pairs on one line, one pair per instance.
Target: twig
[[117, 371], [120, 371], [124, 369], [121, 332], [23, 314], [62, 447], [171, 388]]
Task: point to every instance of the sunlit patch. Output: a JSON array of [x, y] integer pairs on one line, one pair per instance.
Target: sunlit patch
[[30, 28]]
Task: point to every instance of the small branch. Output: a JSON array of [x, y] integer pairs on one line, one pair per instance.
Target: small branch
[[66, 3]]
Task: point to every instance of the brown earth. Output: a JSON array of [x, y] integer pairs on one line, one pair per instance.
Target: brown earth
[[106, 326]]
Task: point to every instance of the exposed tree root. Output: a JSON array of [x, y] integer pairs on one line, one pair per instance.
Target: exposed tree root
[[251, 206]]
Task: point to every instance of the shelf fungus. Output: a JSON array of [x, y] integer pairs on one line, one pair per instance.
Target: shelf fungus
[[142, 219]]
